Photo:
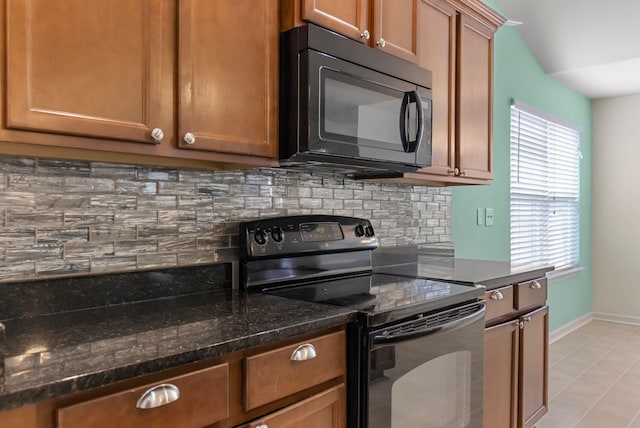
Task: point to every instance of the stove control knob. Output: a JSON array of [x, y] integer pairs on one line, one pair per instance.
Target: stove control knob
[[260, 237], [368, 231], [359, 230], [276, 234]]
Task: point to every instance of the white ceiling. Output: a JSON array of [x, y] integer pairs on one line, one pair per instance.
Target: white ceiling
[[593, 46]]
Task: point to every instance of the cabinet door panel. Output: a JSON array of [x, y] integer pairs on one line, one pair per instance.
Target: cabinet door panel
[[228, 75], [436, 52], [395, 22], [501, 375], [475, 75], [534, 365], [347, 17], [95, 68], [324, 410]]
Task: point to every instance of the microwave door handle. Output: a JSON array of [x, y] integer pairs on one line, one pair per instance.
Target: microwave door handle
[[407, 145], [420, 130], [462, 322], [403, 121]]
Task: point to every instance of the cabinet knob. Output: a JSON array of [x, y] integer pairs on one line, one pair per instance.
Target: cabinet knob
[[456, 171], [365, 35], [497, 295], [463, 172], [527, 319], [304, 352], [189, 138], [381, 43], [157, 134], [535, 285], [158, 395]]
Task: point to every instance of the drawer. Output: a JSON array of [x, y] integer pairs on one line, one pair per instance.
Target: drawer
[[203, 400], [499, 302], [284, 371], [531, 293]]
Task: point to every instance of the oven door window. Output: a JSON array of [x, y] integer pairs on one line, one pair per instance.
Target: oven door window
[[357, 112], [432, 381]]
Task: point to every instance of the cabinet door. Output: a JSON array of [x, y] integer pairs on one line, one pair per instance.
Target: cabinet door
[[228, 73], [501, 375], [436, 52], [325, 410], [347, 17], [534, 366], [474, 104], [99, 68], [395, 27]]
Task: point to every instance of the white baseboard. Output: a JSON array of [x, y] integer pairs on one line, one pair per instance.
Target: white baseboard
[[561, 332], [623, 319]]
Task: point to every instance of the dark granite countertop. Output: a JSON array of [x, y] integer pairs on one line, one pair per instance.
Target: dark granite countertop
[[413, 261], [51, 355]]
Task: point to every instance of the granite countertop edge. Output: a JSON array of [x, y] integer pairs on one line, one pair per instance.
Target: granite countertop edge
[[74, 384]]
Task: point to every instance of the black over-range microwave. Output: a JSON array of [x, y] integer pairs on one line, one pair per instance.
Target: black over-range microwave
[[350, 107]]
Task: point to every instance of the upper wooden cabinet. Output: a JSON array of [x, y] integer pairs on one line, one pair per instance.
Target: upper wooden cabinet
[[395, 27], [474, 93], [389, 25], [228, 74], [348, 17], [104, 78], [456, 44], [102, 71]]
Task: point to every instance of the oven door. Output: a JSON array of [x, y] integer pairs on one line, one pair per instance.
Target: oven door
[[357, 112], [427, 372]]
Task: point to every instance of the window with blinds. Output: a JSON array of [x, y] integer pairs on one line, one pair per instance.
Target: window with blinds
[[545, 188]]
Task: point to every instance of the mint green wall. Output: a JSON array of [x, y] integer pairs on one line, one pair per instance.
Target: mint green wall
[[518, 75]]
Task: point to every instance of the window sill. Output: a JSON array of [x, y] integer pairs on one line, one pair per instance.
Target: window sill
[[556, 275]]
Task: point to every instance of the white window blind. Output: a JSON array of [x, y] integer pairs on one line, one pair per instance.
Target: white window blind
[[545, 189]]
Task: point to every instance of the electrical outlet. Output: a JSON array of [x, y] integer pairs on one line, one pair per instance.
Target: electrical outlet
[[488, 218], [480, 216]]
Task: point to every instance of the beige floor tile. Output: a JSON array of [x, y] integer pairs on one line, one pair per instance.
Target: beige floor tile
[[636, 422], [557, 382], [581, 394], [604, 417], [561, 415], [594, 378], [601, 376]]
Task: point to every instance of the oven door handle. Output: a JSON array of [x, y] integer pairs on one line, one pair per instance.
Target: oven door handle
[[462, 322]]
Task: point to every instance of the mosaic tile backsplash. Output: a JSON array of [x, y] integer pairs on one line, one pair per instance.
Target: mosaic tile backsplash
[[60, 218]]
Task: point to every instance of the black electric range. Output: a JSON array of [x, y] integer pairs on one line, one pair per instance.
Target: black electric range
[[403, 322]]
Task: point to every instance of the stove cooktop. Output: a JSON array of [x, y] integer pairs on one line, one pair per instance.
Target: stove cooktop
[[382, 298]]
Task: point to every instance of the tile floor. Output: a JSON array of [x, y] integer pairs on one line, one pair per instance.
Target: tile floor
[[594, 378]]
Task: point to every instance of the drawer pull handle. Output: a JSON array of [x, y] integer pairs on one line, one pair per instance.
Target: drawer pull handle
[[157, 396], [535, 285], [497, 295], [304, 352]]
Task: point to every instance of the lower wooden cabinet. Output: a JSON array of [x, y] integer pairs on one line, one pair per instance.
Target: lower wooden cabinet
[[324, 410], [516, 365], [534, 367], [298, 382], [501, 356]]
